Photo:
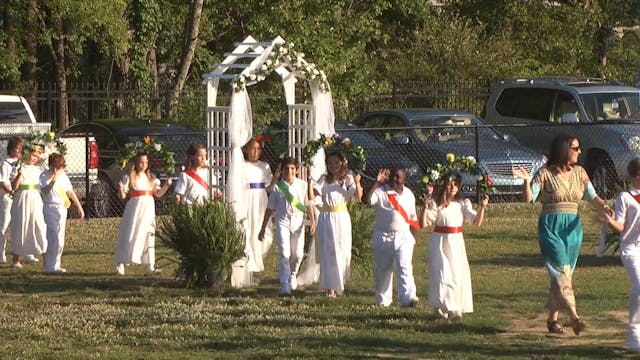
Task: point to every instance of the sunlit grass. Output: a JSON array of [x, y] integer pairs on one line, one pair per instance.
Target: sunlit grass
[[91, 313]]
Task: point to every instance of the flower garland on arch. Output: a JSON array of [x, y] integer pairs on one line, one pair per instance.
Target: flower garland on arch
[[354, 153], [46, 142], [154, 149], [467, 164], [283, 53]]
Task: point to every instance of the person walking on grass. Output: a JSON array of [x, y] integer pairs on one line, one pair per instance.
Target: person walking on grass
[[335, 188], [191, 186], [287, 200], [136, 233], [8, 173], [449, 274], [28, 228], [626, 220], [58, 195], [393, 236], [560, 186]]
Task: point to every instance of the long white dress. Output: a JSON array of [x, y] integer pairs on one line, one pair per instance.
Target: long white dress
[[449, 274], [136, 233], [334, 232], [257, 176], [28, 228]]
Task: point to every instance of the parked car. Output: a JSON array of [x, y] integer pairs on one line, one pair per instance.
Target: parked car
[[426, 136], [111, 136], [604, 115]]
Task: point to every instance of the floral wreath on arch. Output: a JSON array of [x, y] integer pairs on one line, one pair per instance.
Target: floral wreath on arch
[[265, 137], [45, 142], [154, 149], [283, 53], [354, 153], [466, 164]]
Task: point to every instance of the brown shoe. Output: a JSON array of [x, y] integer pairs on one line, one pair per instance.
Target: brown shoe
[[554, 327], [578, 325]]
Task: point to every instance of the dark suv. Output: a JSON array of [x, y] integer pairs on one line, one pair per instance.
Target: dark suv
[[603, 114], [111, 136]]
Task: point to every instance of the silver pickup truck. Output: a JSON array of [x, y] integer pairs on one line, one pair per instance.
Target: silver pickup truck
[[17, 119]]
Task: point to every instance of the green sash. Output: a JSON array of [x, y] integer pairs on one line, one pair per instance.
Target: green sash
[[292, 199]]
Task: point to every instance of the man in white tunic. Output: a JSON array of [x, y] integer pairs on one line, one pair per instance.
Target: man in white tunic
[[393, 238], [8, 173]]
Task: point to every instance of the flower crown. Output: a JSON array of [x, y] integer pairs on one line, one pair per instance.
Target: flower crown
[[46, 143], [467, 164], [355, 154], [152, 148]]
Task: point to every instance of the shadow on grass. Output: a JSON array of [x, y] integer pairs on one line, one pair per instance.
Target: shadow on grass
[[535, 260]]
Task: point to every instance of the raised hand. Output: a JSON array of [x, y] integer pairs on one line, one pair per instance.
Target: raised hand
[[383, 175], [520, 172]]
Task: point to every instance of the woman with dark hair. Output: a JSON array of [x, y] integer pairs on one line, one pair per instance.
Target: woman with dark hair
[[136, 234], [560, 186], [449, 274]]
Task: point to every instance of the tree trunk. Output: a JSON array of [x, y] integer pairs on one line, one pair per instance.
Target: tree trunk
[[31, 62], [155, 83], [191, 42]]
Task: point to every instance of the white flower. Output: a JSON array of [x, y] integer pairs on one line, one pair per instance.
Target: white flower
[[263, 67], [479, 177], [471, 159], [158, 147], [315, 71], [260, 77], [252, 77], [138, 145], [434, 175], [269, 61]]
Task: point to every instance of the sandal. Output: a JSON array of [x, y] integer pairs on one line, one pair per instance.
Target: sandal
[[554, 327], [578, 325]]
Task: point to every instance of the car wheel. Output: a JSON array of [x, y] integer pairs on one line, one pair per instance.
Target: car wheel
[[602, 174], [101, 201]]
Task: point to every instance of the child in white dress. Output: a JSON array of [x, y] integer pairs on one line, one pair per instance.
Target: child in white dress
[[136, 234], [626, 221], [58, 195], [191, 185], [449, 273], [28, 228], [287, 200], [8, 173], [335, 188]]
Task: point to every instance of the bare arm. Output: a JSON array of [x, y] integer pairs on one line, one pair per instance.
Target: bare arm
[[521, 173], [163, 190], [358, 185], [481, 210], [265, 220], [382, 177], [74, 200]]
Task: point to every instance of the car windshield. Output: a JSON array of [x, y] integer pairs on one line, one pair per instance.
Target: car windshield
[[612, 106], [448, 128]]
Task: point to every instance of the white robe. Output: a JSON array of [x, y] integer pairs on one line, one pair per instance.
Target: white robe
[[190, 190], [334, 233], [449, 274], [257, 199], [136, 233], [28, 229]]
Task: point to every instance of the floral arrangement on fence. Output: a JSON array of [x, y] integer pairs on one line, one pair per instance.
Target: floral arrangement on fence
[[467, 164], [283, 53], [264, 136], [47, 142], [154, 149], [354, 153]]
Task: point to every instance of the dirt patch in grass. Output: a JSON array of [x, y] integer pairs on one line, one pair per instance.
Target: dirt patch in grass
[[609, 328]]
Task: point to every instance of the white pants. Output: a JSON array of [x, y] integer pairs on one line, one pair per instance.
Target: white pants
[[390, 248], [290, 252], [630, 256], [55, 216], [5, 220]]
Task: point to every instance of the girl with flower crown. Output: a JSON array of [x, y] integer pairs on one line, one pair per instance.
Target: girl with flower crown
[[28, 228], [449, 274], [136, 234], [335, 188]]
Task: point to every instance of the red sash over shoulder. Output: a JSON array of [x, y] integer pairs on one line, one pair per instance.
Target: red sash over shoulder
[[197, 178], [394, 202]]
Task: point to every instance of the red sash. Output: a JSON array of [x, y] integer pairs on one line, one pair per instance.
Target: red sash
[[448, 229], [134, 193], [637, 197], [394, 202], [197, 178]]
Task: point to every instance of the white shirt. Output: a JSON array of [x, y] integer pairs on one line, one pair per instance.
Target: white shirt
[[62, 182], [388, 219], [627, 211], [190, 190], [287, 215], [8, 171]]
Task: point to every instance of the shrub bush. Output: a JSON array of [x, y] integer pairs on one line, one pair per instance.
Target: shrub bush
[[207, 239], [362, 221]]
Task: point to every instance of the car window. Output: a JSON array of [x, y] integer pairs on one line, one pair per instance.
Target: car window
[[526, 103], [565, 105], [393, 121], [612, 106], [14, 112], [374, 121], [103, 137]]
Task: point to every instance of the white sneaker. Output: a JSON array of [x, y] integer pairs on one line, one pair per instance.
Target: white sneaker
[[293, 282], [60, 270], [3, 258], [120, 269], [30, 259]]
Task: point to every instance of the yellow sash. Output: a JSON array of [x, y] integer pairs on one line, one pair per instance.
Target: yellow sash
[[334, 208], [63, 194]]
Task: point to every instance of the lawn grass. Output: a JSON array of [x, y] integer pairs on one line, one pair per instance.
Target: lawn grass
[[91, 313]]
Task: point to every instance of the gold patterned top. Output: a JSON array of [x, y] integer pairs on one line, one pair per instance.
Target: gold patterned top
[[558, 195]]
